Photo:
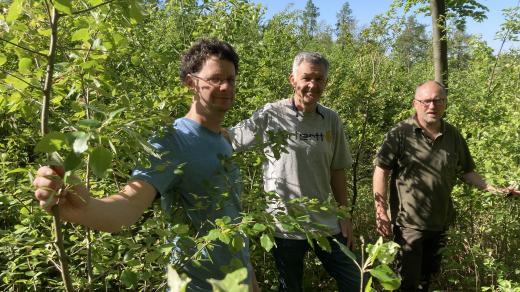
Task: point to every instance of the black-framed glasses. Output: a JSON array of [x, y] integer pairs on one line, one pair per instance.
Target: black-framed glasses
[[435, 101], [217, 82]]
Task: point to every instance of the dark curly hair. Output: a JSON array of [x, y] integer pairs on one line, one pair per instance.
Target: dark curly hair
[[204, 48]]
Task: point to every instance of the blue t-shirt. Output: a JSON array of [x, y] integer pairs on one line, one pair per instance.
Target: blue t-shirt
[[195, 172]]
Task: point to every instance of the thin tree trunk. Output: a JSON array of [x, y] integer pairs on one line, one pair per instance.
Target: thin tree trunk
[[47, 94], [440, 42]]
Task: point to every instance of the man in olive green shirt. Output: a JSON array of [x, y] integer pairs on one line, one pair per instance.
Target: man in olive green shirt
[[425, 156]]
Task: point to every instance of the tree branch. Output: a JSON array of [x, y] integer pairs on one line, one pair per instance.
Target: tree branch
[[11, 74], [91, 8], [23, 48]]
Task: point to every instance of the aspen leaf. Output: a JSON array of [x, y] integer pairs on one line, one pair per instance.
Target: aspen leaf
[[51, 142], [100, 160], [64, 6], [24, 65], [15, 10], [81, 35]]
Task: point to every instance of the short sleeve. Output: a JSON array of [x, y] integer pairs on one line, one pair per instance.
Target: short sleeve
[[388, 153], [341, 158], [466, 162], [248, 132], [161, 172]]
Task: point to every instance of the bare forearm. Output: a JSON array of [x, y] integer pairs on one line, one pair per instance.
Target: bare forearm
[[338, 184], [476, 180], [112, 213], [379, 188]]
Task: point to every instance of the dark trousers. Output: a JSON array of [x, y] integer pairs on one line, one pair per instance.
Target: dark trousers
[[419, 257], [289, 255]]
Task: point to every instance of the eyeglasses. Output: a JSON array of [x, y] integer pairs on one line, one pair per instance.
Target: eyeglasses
[[217, 82], [436, 101]]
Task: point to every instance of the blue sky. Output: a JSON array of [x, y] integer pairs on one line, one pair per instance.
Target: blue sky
[[365, 10]]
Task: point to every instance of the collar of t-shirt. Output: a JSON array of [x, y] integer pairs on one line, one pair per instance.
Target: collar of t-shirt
[[295, 109]]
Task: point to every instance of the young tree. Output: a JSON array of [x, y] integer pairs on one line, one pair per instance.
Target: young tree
[[411, 44], [345, 24], [440, 43], [440, 11], [310, 19]]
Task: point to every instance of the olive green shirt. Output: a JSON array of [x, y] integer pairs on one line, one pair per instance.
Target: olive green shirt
[[424, 172]]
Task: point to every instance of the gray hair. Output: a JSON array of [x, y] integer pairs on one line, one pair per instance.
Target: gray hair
[[311, 57]]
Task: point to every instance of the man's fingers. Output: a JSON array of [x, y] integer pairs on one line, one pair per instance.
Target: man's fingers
[[48, 184], [45, 170], [60, 170], [47, 197], [49, 181]]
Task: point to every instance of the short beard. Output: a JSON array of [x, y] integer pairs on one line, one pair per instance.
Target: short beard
[[430, 120]]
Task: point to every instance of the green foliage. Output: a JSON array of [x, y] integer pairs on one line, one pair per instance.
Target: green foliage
[[379, 256], [116, 82], [232, 282]]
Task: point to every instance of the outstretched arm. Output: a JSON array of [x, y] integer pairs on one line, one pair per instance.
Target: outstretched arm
[[379, 183], [77, 206], [475, 179]]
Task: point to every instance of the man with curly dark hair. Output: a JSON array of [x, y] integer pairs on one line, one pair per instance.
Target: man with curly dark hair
[[190, 174]]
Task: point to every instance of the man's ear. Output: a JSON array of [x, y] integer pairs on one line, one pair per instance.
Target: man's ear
[[291, 79], [188, 81]]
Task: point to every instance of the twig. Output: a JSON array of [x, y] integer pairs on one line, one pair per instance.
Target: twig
[[498, 58], [91, 8], [23, 48], [30, 85]]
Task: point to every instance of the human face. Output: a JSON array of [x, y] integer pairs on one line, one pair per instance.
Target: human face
[[208, 93], [430, 103], [308, 83]]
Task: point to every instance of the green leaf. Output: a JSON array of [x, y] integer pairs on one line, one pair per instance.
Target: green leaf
[[113, 114], [81, 35], [224, 237], [80, 144], [237, 242], [90, 123], [72, 161], [368, 286], [16, 82], [17, 170], [259, 227], [64, 6], [24, 65], [346, 250], [45, 32], [129, 278], [89, 64], [3, 59], [324, 243], [15, 10], [266, 242], [135, 11], [386, 277], [100, 160], [231, 283], [213, 234], [175, 282], [51, 142]]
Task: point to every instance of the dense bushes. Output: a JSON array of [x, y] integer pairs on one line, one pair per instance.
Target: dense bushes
[[116, 81]]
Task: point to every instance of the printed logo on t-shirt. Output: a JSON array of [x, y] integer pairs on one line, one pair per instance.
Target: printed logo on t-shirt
[[317, 136]]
